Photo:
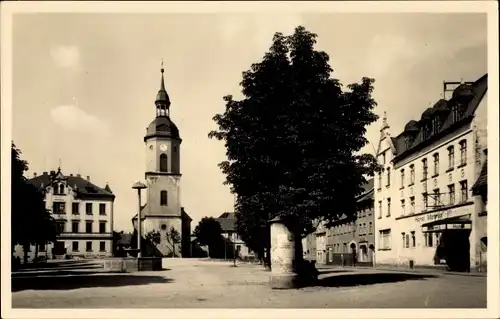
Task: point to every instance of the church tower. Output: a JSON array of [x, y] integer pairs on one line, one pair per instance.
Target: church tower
[[163, 210]]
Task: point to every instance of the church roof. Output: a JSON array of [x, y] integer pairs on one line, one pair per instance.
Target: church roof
[[162, 126]]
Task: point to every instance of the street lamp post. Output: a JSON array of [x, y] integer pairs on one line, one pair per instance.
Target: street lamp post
[[139, 186]]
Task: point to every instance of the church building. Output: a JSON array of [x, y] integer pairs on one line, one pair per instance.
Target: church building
[[163, 211]]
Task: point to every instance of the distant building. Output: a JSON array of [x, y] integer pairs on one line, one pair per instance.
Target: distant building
[[84, 216], [163, 210], [425, 209], [227, 222], [351, 239]]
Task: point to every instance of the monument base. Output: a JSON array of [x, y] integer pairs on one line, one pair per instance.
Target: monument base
[[284, 281]]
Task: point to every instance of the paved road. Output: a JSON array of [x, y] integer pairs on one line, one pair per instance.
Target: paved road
[[192, 283]]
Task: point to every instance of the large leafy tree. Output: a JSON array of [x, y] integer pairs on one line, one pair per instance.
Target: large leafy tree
[[208, 232], [28, 204], [293, 141]]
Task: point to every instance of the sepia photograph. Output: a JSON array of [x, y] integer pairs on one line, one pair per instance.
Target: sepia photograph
[[221, 156]]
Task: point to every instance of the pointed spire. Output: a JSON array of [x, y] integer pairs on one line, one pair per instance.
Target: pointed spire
[[385, 125], [162, 100], [107, 188]]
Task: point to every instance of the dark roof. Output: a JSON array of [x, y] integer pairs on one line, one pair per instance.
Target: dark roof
[[227, 222], [482, 180], [84, 188], [366, 196], [162, 126], [367, 186], [471, 95], [185, 215]]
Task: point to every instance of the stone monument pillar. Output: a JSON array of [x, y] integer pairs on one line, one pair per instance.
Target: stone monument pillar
[[283, 275]]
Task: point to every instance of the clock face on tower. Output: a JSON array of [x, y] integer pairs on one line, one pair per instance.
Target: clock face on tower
[[163, 147]]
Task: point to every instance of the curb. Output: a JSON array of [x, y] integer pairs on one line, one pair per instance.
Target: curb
[[429, 271]]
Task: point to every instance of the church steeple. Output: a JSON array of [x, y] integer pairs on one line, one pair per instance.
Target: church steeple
[[162, 100]]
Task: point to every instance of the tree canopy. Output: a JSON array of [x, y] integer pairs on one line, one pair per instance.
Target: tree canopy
[[31, 222], [293, 142]]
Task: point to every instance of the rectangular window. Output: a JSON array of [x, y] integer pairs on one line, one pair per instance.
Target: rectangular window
[[163, 198], [388, 207], [451, 157], [383, 158], [388, 176], [451, 192], [42, 247], [74, 246], [463, 152], [380, 209], [88, 246], [75, 227], [429, 239], [412, 205], [385, 239], [425, 200], [403, 239], [380, 179], [424, 169], [88, 227], [102, 227], [412, 174], [102, 209], [437, 199], [436, 164], [102, 246], [464, 195], [370, 228], [407, 241], [88, 208], [58, 208], [413, 240], [60, 227], [402, 178], [75, 208]]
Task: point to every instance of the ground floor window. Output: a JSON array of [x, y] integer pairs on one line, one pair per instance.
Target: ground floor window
[[74, 246], [102, 246], [429, 239], [42, 247], [88, 246], [385, 239]]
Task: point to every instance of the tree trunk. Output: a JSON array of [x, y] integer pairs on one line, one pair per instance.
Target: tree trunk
[[36, 251]]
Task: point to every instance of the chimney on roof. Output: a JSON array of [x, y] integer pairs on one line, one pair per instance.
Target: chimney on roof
[[88, 178], [52, 172], [34, 174], [78, 175], [71, 175], [44, 173]]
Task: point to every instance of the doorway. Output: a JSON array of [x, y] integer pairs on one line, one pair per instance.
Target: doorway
[[455, 246], [353, 253]]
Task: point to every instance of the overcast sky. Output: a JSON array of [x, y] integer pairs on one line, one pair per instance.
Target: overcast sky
[[84, 84]]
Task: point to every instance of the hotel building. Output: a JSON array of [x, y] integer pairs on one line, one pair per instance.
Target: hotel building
[[426, 213], [84, 216]]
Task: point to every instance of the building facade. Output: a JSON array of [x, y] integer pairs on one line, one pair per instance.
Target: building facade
[[84, 216], [426, 214], [227, 222], [351, 240], [163, 210]]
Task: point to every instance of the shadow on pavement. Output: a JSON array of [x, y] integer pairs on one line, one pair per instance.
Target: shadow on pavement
[[357, 279], [53, 273], [84, 281], [325, 272]]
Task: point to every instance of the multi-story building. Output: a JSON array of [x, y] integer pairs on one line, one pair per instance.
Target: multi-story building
[[423, 201], [351, 239], [84, 216], [227, 222]]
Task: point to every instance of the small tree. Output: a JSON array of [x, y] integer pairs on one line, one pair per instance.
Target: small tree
[[154, 237], [208, 232], [173, 238]]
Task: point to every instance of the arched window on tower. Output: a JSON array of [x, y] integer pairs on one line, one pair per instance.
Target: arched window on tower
[[61, 189], [163, 163], [163, 198]]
